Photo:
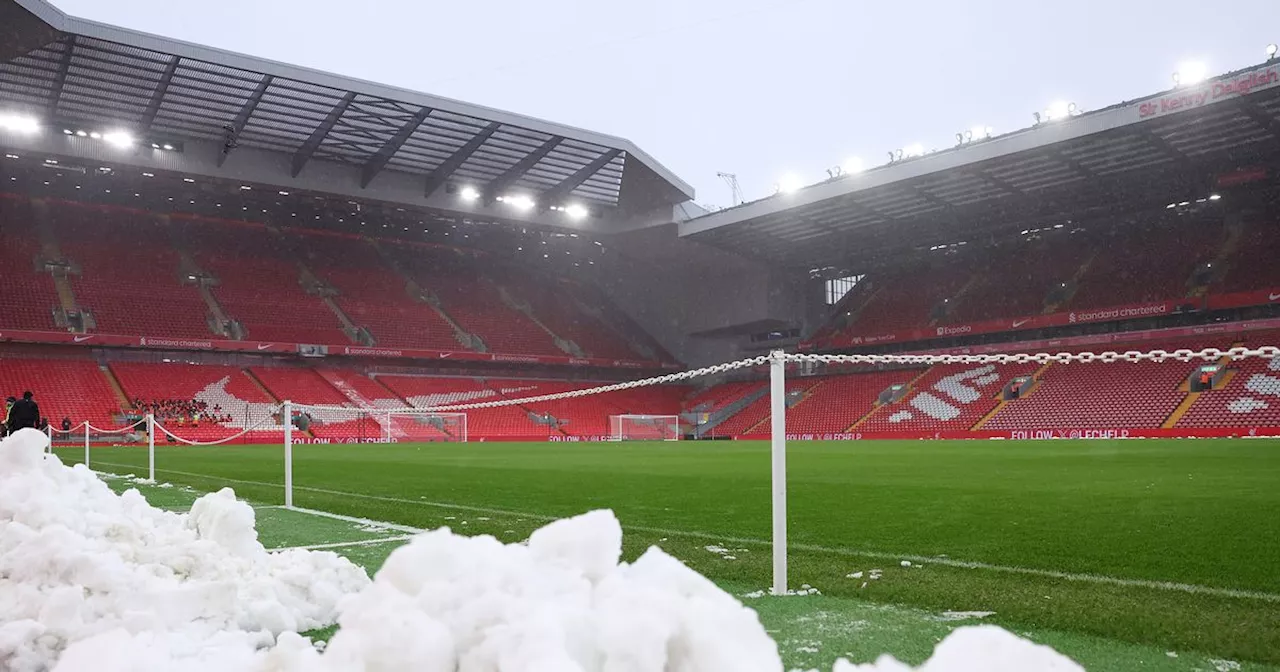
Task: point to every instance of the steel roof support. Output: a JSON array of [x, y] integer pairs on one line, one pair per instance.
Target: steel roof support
[[379, 160], [446, 169], [60, 80], [157, 96], [312, 143], [568, 184], [242, 118], [517, 171], [1257, 116], [997, 182]]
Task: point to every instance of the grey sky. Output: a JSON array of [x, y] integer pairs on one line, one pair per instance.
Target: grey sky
[[753, 87]]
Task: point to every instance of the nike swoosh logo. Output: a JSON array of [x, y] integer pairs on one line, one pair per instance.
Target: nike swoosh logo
[[264, 346], [81, 339], [1273, 297], [446, 355], [1019, 323]]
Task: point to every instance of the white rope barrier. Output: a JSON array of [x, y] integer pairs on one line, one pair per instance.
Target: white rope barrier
[[219, 442]]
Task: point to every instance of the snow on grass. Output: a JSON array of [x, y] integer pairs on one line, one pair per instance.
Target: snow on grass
[[134, 589], [973, 648], [964, 615], [79, 561]]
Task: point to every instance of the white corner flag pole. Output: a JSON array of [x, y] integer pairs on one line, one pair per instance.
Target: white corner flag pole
[[287, 418], [778, 415], [151, 447]]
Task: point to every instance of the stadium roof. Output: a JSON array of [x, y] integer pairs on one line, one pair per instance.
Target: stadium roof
[[71, 71], [1184, 141]]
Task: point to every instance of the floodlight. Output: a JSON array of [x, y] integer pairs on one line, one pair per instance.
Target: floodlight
[[1057, 110], [522, 203], [1271, 51], [576, 212], [1190, 73], [789, 184], [913, 150], [19, 123], [851, 165], [1215, 197], [980, 132], [468, 194], [119, 139]]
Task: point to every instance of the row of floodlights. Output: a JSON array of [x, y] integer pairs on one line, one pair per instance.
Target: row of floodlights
[[525, 203], [1188, 74], [22, 124]]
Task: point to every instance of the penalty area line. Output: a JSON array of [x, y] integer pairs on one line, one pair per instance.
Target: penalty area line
[[344, 544], [1081, 577]]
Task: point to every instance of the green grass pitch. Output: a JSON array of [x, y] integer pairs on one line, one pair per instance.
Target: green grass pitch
[[1123, 554]]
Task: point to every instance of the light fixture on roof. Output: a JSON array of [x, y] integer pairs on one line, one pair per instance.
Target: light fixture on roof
[[468, 194], [576, 212], [119, 139], [284, 193], [1190, 73], [1056, 110], [851, 166], [1215, 197], [188, 180], [19, 123], [912, 151], [1272, 50], [789, 184], [520, 202], [975, 134]]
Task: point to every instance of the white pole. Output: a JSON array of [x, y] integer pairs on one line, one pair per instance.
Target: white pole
[[151, 447], [778, 415], [288, 453], [86, 443], [49, 430]]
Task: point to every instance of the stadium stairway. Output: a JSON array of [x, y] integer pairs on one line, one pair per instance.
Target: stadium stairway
[[949, 397], [1035, 383], [911, 386]]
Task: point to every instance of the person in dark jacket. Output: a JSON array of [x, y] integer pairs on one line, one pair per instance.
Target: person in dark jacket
[[24, 414]]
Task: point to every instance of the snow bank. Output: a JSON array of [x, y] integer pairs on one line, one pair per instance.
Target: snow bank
[[78, 560]]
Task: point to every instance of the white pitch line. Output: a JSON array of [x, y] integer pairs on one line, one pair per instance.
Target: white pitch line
[[358, 521], [1189, 588], [343, 544]]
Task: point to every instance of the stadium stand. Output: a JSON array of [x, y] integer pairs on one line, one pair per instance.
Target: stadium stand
[[129, 273], [1082, 396], [947, 397], [374, 296], [554, 307], [64, 388], [904, 298], [301, 385], [29, 297], [423, 392], [1147, 264], [1017, 277], [226, 389], [835, 403], [1253, 266], [475, 302], [259, 284], [754, 418]]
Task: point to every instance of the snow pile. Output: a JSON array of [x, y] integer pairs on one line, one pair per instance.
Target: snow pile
[[560, 602], [78, 560], [977, 648]]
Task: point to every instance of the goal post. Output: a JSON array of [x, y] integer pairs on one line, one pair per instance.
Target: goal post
[[644, 427], [345, 425]]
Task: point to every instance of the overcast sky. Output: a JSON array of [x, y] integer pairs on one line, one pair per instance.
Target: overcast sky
[[753, 87]]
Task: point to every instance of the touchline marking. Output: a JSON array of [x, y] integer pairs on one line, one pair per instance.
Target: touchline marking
[[343, 544], [1189, 588]]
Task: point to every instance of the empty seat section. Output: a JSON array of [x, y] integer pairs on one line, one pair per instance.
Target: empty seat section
[[835, 403], [375, 297], [1150, 263], [717, 397], [618, 319], [905, 299], [947, 397], [556, 309], [1100, 395], [258, 284], [128, 273], [1018, 276], [64, 388], [1253, 265], [29, 297], [303, 386], [476, 304], [755, 417], [589, 415]]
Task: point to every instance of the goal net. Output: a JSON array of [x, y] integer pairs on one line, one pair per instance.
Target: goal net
[[644, 427], [342, 425]]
